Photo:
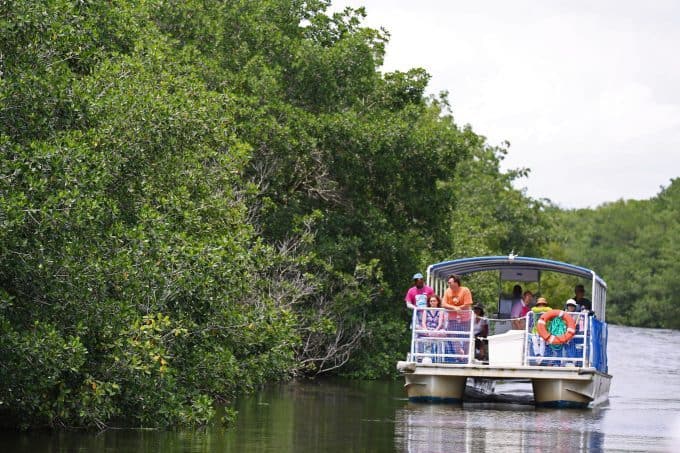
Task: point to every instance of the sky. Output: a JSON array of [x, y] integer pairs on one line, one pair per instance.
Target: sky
[[587, 93]]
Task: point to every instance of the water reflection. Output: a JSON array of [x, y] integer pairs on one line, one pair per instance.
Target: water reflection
[[486, 427], [322, 415]]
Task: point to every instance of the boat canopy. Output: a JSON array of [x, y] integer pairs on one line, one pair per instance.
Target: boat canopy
[[518, 268]]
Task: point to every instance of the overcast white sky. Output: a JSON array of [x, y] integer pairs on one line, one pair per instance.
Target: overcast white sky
[[586, 92]]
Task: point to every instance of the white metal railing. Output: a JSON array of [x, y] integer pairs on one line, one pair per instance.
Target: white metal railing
[[575, 352], [454, 341]]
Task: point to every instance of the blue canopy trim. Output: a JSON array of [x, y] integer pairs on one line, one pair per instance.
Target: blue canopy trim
[[465, 266]]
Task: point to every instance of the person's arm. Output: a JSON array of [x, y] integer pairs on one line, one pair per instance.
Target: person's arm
[[446, 304], [522, 322], [442, 320], [449, 306], [467, 300], [516, 309], [409, 300]]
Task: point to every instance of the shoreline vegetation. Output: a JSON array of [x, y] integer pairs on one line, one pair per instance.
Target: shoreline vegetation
[[199, 197]]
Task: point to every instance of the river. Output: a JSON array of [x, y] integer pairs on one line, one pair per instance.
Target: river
[[643, 414]]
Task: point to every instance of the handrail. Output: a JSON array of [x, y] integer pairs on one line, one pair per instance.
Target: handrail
[[454, 343], [583, 358], [450, 339]]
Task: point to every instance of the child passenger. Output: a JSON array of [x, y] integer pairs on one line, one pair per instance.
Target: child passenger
[[434, 319]]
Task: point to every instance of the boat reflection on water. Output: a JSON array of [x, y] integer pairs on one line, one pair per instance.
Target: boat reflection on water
[[495, 427]]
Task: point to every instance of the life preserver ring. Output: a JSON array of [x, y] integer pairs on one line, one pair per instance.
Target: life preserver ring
[[550, 338]]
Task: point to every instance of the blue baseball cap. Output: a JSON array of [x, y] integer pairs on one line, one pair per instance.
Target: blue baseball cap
[[417, 276]]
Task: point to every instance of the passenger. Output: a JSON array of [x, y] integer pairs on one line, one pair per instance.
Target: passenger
[[537, 342], [520, 311], [540, 308], [434, 320], [570, 306], [580, 299], [456, 297], [517, 293], [481, 331], [570, 349], [516, 300], [417, 295]]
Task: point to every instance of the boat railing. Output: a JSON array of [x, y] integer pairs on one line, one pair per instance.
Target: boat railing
[[575, 352], [453, 340], [450, 340]]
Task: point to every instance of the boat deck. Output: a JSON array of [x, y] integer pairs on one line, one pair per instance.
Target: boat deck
[[498, 372]]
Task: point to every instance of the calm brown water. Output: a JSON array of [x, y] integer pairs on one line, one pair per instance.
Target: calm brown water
[[643, 414]]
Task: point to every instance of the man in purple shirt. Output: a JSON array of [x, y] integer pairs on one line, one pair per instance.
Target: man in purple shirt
[[418, 294]]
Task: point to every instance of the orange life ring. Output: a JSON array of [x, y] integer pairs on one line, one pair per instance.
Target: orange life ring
[[550, 338]]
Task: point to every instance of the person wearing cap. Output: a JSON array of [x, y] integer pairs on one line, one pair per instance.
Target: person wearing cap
[[537, 310], [417, 297], [569, 349], [571, 305], [537, 342], [541, 306], [418, 294]]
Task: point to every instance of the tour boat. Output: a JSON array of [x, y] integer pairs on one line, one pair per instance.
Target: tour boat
[[570, 370]]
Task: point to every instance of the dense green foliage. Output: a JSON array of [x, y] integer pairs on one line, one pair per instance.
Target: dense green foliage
[[635, 246], [198, 197]]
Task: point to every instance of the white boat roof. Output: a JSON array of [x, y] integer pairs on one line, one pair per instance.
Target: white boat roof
[[516, 265]]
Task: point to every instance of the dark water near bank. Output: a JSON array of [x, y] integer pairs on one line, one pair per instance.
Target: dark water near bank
[[643, 414]]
